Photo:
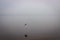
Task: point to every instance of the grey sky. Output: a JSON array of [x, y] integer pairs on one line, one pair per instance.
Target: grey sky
[[20, 7]]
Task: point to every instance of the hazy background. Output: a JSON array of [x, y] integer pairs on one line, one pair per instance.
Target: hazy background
[[41, 16]]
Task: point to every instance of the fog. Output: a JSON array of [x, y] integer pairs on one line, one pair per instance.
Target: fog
[[42, 19]]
